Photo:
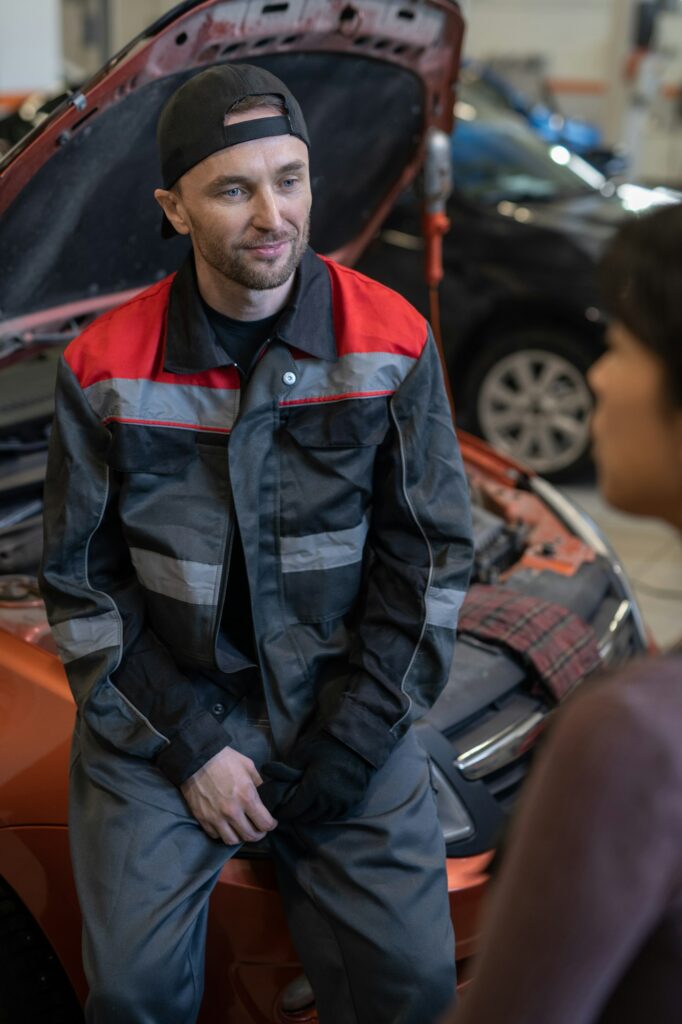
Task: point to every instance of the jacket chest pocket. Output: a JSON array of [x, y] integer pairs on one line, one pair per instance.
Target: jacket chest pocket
[[174, 488], [150, 451], [327, 473], [328, 455]]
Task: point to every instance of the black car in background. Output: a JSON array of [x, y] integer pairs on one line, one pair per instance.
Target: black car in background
[[521, 319]]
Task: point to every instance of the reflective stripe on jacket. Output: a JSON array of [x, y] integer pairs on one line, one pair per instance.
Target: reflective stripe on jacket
[[338, 460]]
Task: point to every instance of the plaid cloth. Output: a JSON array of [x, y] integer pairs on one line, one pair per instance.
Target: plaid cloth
[[558, 645]]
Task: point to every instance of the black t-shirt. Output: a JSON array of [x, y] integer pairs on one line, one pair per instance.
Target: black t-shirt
[[242, 341]]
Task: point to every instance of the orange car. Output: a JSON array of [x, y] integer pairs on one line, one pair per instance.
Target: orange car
[[381, 72]]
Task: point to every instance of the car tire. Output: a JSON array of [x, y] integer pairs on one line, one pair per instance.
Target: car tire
[[34, 988], [526, 393]]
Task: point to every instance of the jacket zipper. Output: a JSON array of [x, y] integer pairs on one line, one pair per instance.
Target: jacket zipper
[[227, 558], [232, 513]]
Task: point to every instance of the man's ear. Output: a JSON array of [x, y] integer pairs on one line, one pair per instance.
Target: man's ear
[[171, 204]]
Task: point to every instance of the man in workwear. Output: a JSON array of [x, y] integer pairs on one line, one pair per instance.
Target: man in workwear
[[257, 542]]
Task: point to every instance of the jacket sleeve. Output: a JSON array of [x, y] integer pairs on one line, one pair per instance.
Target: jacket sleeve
[[127, 687], [420, 553]]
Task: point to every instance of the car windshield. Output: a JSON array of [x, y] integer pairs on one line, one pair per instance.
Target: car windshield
[[497, 157]]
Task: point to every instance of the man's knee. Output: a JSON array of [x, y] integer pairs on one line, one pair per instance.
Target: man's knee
[[438, 982], [110, 1002], [424, 973], [113, 1004], [136, 989], [416, 991]]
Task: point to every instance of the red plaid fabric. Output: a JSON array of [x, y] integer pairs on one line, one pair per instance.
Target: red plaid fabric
[[550, 639]]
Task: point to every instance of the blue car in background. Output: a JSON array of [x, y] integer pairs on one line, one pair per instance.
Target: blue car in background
[[522, 87]]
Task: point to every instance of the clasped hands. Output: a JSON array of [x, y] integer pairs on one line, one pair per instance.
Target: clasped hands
[[322, 780]]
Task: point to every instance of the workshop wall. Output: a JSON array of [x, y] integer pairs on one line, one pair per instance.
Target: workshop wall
[[597, 69], [38, 66]]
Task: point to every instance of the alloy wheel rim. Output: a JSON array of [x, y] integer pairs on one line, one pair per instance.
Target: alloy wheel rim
[[535, 405]]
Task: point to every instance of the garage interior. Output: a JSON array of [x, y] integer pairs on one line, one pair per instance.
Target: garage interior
[[616, 64], [568, 121]]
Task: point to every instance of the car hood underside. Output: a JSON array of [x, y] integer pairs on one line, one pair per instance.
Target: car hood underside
[[78, 216]]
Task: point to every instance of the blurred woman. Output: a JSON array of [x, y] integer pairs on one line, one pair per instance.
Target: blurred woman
[[585, 919]]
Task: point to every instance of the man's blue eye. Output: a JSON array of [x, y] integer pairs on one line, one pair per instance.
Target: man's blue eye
[[233, 192], [290, 182]]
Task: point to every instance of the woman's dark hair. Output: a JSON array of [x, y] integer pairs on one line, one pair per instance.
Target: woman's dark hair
[[641, 283]]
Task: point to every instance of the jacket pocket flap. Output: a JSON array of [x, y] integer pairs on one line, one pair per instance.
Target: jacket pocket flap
[[154, 450], [356, 423]]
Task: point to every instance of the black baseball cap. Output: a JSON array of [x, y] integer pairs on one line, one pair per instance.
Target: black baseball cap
[[192, 123]]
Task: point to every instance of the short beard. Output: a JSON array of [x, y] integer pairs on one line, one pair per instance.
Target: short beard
[[232, 264]]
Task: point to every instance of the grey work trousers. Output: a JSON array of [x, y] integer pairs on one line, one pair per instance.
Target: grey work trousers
[[365, 898]]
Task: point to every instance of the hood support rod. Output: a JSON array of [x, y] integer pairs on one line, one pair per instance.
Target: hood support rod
[[437, 186]]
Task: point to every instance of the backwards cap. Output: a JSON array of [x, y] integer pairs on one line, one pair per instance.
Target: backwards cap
[[192, 123]]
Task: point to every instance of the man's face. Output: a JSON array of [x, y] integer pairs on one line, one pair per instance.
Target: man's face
[[247, 208]]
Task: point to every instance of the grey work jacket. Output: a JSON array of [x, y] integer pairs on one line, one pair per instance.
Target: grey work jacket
[[340, 464]]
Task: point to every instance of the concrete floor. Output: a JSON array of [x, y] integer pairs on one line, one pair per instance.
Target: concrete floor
[[651, 553]]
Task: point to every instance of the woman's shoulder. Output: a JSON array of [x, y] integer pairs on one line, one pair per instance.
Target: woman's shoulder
[[642, 683], [632, 715]]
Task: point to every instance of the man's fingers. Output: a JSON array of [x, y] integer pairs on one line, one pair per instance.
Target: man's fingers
[[223, 797], [247, 816], [209, 830], [259, 814], [228, 834], [245, 829], [232, 832], [253, 773], [220, 830]]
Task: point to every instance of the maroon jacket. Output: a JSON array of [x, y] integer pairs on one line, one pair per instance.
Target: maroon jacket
[[585, 922]]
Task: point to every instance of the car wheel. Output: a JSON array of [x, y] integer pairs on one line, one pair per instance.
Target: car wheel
[[33, 986], [527, 394]]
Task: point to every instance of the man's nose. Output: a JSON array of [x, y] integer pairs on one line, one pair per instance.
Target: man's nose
[[266, 214]]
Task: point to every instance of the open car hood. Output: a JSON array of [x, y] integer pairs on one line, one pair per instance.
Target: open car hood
[[79, 227]]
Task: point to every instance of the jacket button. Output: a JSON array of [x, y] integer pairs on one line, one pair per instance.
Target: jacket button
[[218, 709], [289, 378]]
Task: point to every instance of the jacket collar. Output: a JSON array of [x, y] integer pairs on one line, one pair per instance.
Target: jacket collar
[[306, 322]]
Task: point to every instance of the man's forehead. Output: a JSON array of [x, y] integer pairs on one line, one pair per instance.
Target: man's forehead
[[268, 155]]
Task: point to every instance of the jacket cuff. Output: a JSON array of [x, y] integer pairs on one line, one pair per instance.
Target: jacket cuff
[[361, 730], [195, 744]]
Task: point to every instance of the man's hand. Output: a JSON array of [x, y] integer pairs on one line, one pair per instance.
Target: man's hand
[[223, 798]]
